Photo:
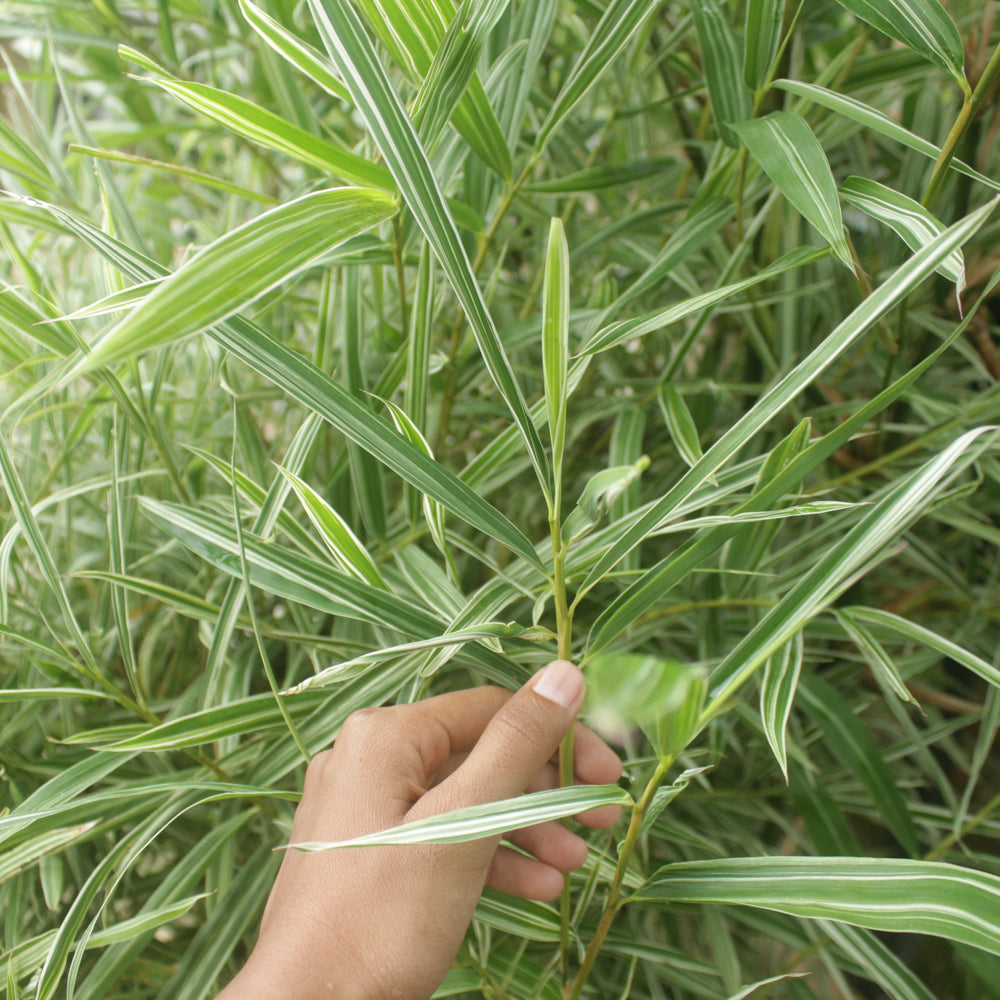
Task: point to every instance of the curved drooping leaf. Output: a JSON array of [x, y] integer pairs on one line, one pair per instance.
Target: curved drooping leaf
[[898, 894]]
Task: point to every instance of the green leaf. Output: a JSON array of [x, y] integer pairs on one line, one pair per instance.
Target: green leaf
[[785, 147], [865, 115], [373, 93], [598, 495], [239, 267], [475, 822], [922, 25], [916, 897], [851, 741], [682, 428], [906, 217], [555, 341], [645, 591], [619, 23], [267, 129], [876, 657], [777, 690], [727, 92], [763, 35], [342, 543]]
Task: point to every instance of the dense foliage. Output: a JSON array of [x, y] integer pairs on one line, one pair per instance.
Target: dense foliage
[[373, 349]]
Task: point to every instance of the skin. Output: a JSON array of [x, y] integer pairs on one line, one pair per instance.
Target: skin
[[387, 922]]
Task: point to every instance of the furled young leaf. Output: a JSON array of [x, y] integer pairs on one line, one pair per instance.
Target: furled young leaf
[[239, 267], [598, 495], [777, 690], [727, 92], [352, 50], [923, 25], [344, 545], [487, 820], [879, 122], [763, 35], [906, 217], [555, 339], [897, 894], [788, 152]]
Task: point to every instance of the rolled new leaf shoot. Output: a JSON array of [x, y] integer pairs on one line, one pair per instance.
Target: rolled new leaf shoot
[[601, 491]]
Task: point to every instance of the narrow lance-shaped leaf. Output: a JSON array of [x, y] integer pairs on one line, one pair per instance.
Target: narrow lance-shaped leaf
[[555, 340], [875, 656], [343, 544], [645, 591], [914, 897], [680, 424], [813, 590], [785, 147], [350, 47], [922, 25], [879, 122], [777, 691], [302, 380], [763, 35], [239, 267], [487, 820], [906, 217], [619, 23], [729, 96]]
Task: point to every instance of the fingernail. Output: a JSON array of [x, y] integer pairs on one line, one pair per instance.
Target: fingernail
[[562, 683]]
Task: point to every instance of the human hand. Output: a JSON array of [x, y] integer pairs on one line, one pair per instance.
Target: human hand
[[378, 922]]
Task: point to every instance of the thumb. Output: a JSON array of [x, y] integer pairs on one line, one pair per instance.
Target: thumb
[[522, 737]]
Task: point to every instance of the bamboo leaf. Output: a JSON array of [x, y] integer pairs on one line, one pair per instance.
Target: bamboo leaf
[[555, 341], [727, 92], [487, 820], [875, 656], [763, 34], [785, 147], [342, 543], [645, 591], [777, 690], [922, 25], [682, 428], [352, 51], [906, 217], [916, 897], [239, 267], [871, 118]]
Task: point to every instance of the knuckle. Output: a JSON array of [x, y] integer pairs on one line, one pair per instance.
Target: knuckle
[[364, 725]]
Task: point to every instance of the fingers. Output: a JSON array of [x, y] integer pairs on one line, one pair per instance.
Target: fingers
[[518, 875], [521, 738], [552, 844]]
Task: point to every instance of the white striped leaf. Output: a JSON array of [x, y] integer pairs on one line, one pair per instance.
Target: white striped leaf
[[267, 129], [239, 267], [785, 147], [620, 22], [304, 381], [777, 691], [763, 35], [26, 855], [646, 590], [555, 341], [907, 218], [342, 543], [727, 92], [918, 633], [876, 657], [488, 820], [922, 25], [748, 991], [916, 897], [868, 116], [679, 422], [351, 49], [816, 588], [629, 329]]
